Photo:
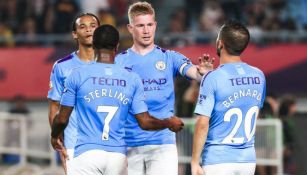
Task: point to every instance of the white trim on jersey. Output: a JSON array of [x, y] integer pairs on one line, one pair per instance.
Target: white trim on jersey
[[182, 68]]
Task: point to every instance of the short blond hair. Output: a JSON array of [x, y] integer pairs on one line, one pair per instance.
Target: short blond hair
[[140, 8]]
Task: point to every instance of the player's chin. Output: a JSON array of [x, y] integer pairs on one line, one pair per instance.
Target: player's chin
[[87, 43], [147, 43]]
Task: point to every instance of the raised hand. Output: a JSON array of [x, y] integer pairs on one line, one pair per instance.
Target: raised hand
[[205, 64]]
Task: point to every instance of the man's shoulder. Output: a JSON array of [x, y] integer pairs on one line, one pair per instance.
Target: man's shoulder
[[65, 59], [160, 49], [256, 69], [65, 62], [122, 54]]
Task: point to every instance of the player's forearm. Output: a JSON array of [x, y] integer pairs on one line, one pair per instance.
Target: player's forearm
[[53, 109], [199, 139], [147, 122], [194, 74], [60, 121], [58, 126]]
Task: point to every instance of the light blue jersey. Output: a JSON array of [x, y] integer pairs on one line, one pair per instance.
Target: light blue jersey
[[61, 70], [157, 70], [231, 96], [102, 95]]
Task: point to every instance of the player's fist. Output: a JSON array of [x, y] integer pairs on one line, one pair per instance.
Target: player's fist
[[175, 124]]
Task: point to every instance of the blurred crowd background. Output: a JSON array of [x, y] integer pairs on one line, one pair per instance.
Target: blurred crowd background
[[46, 22], [181, 23]]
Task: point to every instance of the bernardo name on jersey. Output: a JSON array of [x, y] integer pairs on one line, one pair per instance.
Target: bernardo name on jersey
[[254, 93]]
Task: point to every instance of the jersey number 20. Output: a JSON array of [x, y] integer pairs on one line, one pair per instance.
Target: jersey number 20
[[247, 124], [111, 110]]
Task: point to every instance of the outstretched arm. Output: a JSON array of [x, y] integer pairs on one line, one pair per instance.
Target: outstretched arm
[[199, 139], [147, 122], [205, 65]]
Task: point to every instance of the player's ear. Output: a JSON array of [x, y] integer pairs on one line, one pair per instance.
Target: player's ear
[[74, 35], [220, 44], [129, 27], [116, 48]]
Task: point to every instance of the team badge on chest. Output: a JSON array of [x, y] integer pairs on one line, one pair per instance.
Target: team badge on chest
[[160, 65]]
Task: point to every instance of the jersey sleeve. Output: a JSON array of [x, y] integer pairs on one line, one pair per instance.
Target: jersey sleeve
[[181, 64], [55, 84], [206, 98], [70, 90], [138, 104]]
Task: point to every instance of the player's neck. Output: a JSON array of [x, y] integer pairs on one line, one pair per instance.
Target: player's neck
[[105, 56], [142, 50], [224, 59], [86, 53]]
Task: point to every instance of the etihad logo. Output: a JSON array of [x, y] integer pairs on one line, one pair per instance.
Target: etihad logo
[[160, 65], [159, 81]]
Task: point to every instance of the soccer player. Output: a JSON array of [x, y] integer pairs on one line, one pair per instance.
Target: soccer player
[[82, 31], [228, 104], [153, 152], [102, 94]]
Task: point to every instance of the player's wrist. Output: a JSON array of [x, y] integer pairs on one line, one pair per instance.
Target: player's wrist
[[54, 135], [194, 162], [168, 123]]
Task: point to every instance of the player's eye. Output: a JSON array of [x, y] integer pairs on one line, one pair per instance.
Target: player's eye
[[81, 27], [93, 25]]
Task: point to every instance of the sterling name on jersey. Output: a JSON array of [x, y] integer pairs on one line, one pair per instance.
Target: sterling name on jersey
[[61, 70], [102, 95], [231, 96], [157, 70]]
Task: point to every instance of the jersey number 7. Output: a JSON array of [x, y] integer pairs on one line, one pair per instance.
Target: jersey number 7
[[111, 110]]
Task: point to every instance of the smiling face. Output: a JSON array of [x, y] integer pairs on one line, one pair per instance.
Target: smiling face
[[85, 27], [143, 28]]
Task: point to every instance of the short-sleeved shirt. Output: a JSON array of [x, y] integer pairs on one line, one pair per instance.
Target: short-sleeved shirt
[[61, 70], [231, 96], [102, 95], [157, 69]]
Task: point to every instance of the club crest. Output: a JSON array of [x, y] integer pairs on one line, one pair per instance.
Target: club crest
[[160, 65]]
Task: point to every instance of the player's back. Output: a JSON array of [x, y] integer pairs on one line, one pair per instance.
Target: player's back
[[239, 91], [104, 94]]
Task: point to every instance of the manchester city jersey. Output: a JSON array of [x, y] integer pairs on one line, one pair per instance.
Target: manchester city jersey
[[157, 70], [61, 70], [231, 96], [102, 95]]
